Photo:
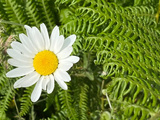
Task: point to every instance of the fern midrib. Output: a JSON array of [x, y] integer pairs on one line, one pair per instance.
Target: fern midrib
[[32, 14], [25, 101], [68, 106], [16, 15], [47, 14], [5, 103], [2, 78], [83, 102]]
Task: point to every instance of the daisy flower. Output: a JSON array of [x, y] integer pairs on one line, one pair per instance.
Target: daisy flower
[[41, 60]]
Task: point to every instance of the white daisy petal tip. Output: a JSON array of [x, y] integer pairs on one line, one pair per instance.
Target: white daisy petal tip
[[55, 30], [16, 86], [66, 88], [42, 26], [9, 50], [7, 75], [37, 90], [73, 37], [56, 27], [65, 53], [27, 27], [17, 72], [76, 59]]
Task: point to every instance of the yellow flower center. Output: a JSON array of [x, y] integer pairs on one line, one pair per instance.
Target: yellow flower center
[[45, 62]]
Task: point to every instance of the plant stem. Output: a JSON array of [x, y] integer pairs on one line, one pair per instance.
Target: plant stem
[[109, 101], [14, 101]]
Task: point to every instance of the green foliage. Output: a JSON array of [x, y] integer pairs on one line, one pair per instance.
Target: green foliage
[[66, 102], [6, 98], [47, 13], [14, 12], [118, 43], [32, 13], [26, 101], [83, 102]]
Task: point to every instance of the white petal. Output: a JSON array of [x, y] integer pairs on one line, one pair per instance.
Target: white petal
[[62, 75], [28, 44], [45, 82], [32, 79], [45, 35], [17, 84], [50, 85], [18, 63], [65, 53], [16, 55], [54, 37], [17, 72], [37, 90], [72, 59], [32, 36], [69, 41], [58, 44], [61, 83], [65, 66], [38, 39], [19, 47], [28, 80], [28, 29]]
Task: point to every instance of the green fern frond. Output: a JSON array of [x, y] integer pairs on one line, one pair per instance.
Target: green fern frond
[[14, 11], [96, 43], [2, 77], [67, 2], [26, 102], [137, 100], [32, 13], [124, 56], [132, 111], [3, 16], [6, 99], [83, 105], [58, 2], [145, 2], [66, 101], [61, 115], [119, 61], [46, 13], [81, 26], [111, 20], [141, 15]]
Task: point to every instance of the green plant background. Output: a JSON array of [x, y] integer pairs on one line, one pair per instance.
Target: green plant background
[[119, 48]]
